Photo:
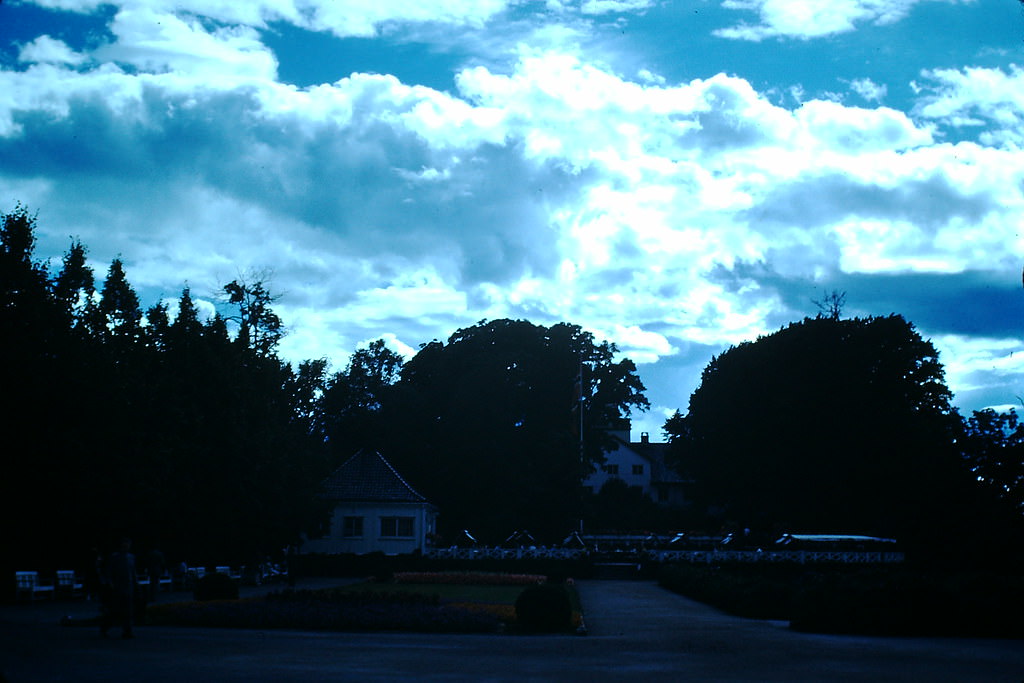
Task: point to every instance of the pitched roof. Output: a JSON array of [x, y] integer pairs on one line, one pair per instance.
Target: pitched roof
[[368, 477]]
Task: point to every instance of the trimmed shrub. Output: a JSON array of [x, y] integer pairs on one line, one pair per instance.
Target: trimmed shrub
[[215, 587], [544, 609], [907, 603]]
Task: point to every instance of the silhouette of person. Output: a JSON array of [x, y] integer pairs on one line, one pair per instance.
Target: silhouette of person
[[121, 581], [155, 568]]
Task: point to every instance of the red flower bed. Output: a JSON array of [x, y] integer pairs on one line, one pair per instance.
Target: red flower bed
[[470, 578]]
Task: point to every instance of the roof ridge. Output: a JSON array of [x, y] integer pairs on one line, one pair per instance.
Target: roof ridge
[[399, 476], [368, 476]]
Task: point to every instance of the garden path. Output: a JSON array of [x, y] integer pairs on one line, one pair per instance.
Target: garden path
[[637, 631]]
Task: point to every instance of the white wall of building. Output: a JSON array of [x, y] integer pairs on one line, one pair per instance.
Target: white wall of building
[[391, 539]]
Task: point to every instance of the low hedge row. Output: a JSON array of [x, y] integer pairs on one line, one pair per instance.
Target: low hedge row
[[330, 611], [908, 603], [385, 566], [862, 600]]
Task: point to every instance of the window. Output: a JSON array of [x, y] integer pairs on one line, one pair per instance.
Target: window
[[352, 527], [396, 527], [611, 469], [638, 469]]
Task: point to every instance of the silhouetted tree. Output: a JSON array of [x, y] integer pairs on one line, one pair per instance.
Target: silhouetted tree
[[349, 412], [119, 304], [259, 327], [154, 429], [993, 446], [75, 287], [837, 425], [484, 424]]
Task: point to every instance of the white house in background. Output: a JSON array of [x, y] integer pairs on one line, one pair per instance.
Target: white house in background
[[640, 464], [375, 510]]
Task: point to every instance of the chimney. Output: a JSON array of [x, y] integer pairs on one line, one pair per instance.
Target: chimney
[[645, 437]]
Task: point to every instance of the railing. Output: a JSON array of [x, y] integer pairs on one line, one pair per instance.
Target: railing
[[505, 553], [798, 556], [666, 556]]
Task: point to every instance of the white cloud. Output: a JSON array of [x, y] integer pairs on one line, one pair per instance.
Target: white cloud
[[614, 6], [163, 42], [841, 128], [975, 97], [986, 367], [47, 50], [806, 19], [868, 89], [350, 18], [550, 187]]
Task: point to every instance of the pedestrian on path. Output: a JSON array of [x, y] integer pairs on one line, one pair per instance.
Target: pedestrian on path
[[121, 581]]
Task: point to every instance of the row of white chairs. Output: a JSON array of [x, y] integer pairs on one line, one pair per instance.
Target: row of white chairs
[[29, 586]]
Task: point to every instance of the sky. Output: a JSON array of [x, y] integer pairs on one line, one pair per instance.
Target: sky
[[675, 177]]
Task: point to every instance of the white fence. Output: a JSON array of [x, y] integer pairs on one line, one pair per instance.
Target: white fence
[[668, 556], [799, 556], [506, 553]]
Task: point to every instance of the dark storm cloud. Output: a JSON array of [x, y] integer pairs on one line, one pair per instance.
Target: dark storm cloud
[[817, 201], [978, 303], [485, 214]]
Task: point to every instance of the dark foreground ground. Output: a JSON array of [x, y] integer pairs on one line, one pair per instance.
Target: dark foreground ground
[[637, 631]]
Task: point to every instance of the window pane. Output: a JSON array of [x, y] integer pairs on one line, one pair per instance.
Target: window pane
[[397, 527], [352, 527], [405, 526]]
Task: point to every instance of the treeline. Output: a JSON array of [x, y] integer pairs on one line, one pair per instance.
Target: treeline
[[845, 425], [192, 436], [158, 425]]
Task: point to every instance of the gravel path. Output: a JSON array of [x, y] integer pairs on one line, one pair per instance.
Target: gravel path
[[637, 631]]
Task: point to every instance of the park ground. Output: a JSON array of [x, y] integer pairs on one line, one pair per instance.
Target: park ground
[[636, 631]]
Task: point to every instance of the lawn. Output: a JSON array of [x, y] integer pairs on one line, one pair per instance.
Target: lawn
[[433, 603]]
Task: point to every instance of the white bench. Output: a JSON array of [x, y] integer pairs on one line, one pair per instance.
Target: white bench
[[27, 585], [68, 584]]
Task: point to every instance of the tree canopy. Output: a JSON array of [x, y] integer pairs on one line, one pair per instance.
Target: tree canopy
[[993, 446], [123, 423], [488, 424], [829, 424]]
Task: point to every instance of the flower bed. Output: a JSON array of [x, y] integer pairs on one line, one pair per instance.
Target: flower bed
[[469, 578], [461, 602], [330, 611]]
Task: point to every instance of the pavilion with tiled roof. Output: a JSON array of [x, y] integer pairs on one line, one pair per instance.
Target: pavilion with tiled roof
[[367, 476], [375, 510]]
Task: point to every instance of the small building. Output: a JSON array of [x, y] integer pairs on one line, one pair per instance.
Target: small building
[[375, 510], [640, 464]]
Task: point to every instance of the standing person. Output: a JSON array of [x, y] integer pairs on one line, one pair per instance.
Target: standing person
[[155, 568], [94, 576], [122, 580]]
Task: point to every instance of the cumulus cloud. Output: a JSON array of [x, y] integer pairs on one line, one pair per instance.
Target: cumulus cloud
[[807, 19], [674, 218], [868, 89], [156, 41], [353, 18], [977, 97], [47, 50], [610, 6]]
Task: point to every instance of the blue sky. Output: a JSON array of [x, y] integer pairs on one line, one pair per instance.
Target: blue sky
[[676, 177]]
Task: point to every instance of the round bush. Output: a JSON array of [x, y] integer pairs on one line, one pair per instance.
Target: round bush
[[215, 587], [544, 609]]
